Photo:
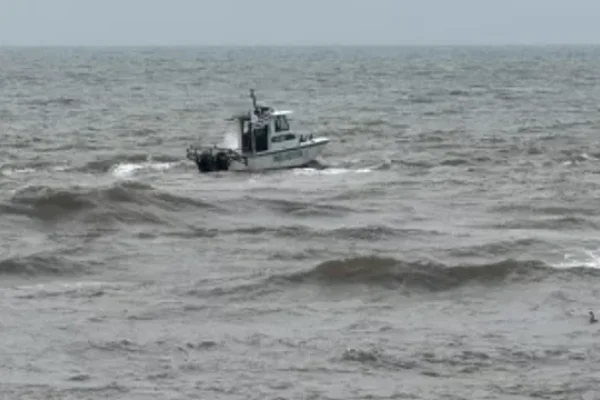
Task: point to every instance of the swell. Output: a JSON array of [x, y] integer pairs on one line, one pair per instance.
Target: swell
[[298, 208], [392, 273], [499, 248], [132, 202], [56, 263], [408, 276], [58, 101], [557, 223], [559, 126], [373, 232], [547, 209], [126, 201]]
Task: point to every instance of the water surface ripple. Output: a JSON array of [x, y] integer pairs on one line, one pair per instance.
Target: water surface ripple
[[448, 251]]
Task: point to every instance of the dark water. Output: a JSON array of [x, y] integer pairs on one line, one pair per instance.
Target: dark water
[[449, 251]]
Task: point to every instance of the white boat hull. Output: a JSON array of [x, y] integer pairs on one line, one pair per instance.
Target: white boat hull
[[266, 129], [294, 157]]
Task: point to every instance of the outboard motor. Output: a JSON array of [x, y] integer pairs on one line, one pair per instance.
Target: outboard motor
[[212, 159], [222, 161], [205, 161]]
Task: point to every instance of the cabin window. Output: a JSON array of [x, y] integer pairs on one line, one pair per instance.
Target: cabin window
[[281, 124], [261, 138], [283, 138], [246, 141]]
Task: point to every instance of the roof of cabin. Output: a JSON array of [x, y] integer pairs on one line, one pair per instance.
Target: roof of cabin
[[283, 112], [244, 116]]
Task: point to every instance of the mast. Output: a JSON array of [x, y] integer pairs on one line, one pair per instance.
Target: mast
[[253, 96], [251, 123]]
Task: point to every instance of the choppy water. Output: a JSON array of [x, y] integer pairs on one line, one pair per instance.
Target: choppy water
[[449, 251]]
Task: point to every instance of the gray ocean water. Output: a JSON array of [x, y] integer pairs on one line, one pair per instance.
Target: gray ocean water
[[448, 250]]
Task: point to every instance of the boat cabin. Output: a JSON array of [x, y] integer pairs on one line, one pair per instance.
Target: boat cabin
[[271, 131]]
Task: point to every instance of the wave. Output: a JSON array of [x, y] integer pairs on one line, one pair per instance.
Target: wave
[[58, 101], [126, 170], [108, 164], [366, 233], [560, 126], [119, 202], [120, 166], [391, 272], [530, 207], [72, 290], [298, 208], [558, 223], [498, 248], [317, 168], [409, 276], [40, 264]]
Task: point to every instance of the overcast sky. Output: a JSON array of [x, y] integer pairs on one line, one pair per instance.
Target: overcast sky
[[303, 22]]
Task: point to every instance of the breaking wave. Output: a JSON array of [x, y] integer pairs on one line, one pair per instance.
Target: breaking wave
[[118, 161]]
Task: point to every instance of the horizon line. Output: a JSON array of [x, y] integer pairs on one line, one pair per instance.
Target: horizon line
[[322, 45]]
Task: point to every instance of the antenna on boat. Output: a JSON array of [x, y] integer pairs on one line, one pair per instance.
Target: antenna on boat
[[253, 96]]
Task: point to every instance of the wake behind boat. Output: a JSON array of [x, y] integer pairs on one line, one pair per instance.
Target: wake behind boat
[[267, 142]]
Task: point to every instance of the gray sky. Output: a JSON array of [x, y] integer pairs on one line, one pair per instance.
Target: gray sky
[[305, 22]]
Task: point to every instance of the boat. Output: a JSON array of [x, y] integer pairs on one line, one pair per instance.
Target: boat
[[267, 140]]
